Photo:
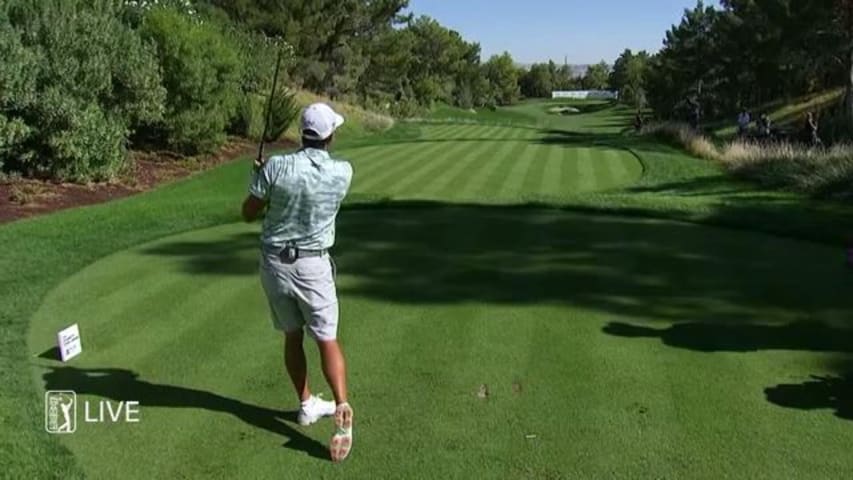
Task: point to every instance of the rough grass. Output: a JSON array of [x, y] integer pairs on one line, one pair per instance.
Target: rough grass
[[824, 172], [359, 122], [816, 171], [682, 135]]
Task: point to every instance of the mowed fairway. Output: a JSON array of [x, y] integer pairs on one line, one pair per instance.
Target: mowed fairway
[[488, 163], [483, 341]]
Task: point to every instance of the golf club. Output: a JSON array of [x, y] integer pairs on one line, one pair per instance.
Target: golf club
[[259, 162]]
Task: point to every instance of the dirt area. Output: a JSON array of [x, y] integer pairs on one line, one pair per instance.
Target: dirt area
[[21, 197]]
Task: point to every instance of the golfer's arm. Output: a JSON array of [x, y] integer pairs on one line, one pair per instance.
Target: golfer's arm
[[253, 207]]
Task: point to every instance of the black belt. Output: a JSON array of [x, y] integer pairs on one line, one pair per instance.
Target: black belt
[[291, 254]]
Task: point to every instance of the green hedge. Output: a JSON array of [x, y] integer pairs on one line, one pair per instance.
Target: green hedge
[[74, 81], [202, 71]]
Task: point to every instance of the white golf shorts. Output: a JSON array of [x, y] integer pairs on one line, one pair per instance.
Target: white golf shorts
[[302, 295]]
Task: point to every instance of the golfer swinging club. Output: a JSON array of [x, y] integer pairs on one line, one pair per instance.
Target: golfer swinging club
[[304, 191]]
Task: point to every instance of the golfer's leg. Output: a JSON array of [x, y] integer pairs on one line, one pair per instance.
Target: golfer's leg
[[297, 366], [334, 368], [287, 318]]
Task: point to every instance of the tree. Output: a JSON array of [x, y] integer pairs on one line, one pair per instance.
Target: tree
[[750, 52], [686, 66], [330, 38], [597, 76], [845, 8], [537, 82], [628, 77], [503, 75]]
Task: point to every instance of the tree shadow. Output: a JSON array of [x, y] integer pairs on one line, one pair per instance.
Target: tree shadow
[[699, 186], [427, 252], [234, 255], [833, 392], [124, 385], [710, 337], [617, 140]]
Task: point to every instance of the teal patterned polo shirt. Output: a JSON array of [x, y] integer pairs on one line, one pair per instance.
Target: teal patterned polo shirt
[[304, 191]]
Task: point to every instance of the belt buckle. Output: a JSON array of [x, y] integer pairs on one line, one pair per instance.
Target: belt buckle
[[290, 254]]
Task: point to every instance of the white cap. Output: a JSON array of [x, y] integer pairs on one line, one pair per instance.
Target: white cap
[[319, 121]]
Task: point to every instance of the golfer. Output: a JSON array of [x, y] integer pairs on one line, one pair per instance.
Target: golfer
[[302, 193]]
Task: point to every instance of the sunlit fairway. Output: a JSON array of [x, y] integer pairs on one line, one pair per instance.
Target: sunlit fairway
[[481, 163]]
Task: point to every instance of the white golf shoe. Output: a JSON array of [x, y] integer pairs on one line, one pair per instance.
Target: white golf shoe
[[314, 409], [341, 443]]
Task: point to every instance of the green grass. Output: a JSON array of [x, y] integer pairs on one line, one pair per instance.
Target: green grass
[[544, 263], [502, 116], [483, 163]]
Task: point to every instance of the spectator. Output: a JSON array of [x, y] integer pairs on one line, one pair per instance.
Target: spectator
[[639, 122], [695, 113], [743, 121], [812, 128], [765, 126]]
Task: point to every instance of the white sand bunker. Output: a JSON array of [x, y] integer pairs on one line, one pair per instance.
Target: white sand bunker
[[564, 110]]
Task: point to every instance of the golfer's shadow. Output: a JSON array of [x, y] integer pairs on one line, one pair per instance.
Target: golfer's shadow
[[123, 385], [819, 392]]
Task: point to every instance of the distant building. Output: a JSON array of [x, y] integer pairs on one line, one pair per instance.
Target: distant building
[[586, 94]]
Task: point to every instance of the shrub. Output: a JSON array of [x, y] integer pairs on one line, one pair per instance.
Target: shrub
[[824, 172], [249, 120], [374, 122], [816, 171], [201, 72], [683, 136], [88, 144], [73, 82], [283, 111], [260, 53]]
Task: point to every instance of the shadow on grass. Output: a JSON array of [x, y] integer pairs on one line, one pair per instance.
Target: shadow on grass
[[623, 141], [234, 255], [716, 185], [434, 253], [51, 353], [708, 337], [124, 385], [818, 393]]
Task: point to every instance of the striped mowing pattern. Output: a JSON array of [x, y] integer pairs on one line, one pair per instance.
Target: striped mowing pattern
[[550, 311], [470, 162]]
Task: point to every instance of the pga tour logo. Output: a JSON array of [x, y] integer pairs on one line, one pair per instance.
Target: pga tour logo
[[60, 411]]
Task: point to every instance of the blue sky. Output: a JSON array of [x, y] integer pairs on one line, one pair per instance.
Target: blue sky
[[539, 30]]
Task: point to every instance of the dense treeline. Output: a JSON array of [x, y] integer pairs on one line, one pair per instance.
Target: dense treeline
[[83, 80], [368, 51], [751, 52], [543, 78]]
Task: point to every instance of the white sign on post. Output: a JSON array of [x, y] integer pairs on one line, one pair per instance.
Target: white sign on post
[[69, 343]]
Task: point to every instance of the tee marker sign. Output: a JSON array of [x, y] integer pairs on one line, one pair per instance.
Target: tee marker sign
[[69, 344]]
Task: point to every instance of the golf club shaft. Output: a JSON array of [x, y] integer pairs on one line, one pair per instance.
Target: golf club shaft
[[260, 159]]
